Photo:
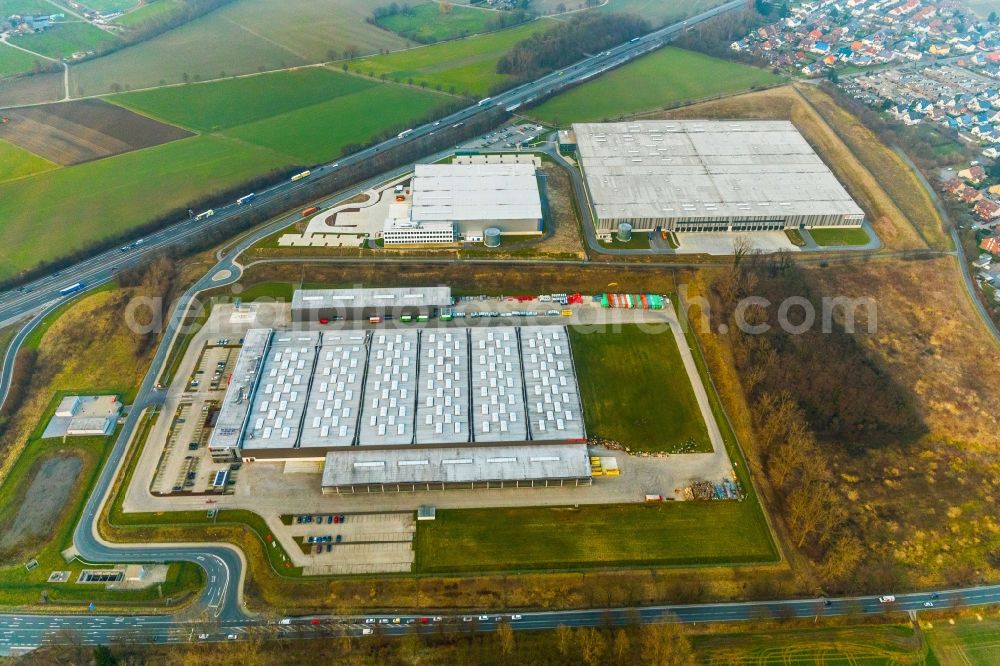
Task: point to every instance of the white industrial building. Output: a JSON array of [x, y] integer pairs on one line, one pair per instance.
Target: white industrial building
[[468, 199], [325, 305], [702, 175], [327, 396], [407, 470]]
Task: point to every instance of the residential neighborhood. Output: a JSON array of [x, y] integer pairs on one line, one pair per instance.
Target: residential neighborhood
[[817, 38]]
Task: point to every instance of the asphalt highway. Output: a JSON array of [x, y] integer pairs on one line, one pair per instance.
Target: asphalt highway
[[21, 632]]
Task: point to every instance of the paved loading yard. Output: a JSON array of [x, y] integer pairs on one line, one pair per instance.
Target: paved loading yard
[[370, 543]]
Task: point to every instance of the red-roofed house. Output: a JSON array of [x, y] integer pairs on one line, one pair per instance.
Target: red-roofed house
[[974, 174], [987, 209], [970, 195], [991, 244]]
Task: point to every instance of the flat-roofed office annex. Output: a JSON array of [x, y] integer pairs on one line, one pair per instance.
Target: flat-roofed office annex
[[702, 175]]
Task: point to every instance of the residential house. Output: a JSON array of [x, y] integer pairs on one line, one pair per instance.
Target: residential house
[[987, 209], [975, 174], [991, 244]]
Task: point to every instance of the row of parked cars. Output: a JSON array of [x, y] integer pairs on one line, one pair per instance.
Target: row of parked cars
[[324, 539], [320, 518]]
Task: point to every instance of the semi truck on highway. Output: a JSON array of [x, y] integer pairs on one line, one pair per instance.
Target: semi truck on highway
[[246, 199], [404, 133], [485, 101], [72, 289], [204, 215], [300, 176]]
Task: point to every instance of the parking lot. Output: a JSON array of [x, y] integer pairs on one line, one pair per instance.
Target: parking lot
[[349, 543]]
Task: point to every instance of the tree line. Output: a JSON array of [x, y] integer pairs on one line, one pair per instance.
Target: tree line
[[569, 42]]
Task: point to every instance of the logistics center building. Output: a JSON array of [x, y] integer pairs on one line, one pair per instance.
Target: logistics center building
[[701, 175], [451, 202], [435, 408]]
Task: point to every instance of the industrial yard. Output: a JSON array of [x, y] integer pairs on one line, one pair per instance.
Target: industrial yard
[[371, 408]]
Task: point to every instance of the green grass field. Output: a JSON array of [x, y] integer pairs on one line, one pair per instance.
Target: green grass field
[[639, 242], [117, 193], [114, 194], [465, 66], [635, 390], [969, 641], [243, 37], [674, 533], [15, 61], [665, 78], [223, 104], [426, 23], [16, 162], [835, 237], [65, 39], [107, 6], [316, 133], [149, 12], [8, 7]]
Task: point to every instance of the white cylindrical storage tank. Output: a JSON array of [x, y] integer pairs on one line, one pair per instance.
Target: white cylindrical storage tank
[[492, 237], [624, 232]]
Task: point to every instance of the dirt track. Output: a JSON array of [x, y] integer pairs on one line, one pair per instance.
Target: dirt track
[[75, 132]]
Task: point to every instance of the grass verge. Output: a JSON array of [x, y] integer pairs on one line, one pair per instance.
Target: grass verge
[[839, 237]]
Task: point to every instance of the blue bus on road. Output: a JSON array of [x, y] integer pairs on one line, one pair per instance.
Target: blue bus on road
[[72, 289]]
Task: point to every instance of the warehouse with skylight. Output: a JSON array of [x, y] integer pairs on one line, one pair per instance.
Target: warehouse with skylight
[[503, 401]]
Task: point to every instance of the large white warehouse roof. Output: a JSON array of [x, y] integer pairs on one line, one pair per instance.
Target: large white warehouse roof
[[706, 169], [465, 192]]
